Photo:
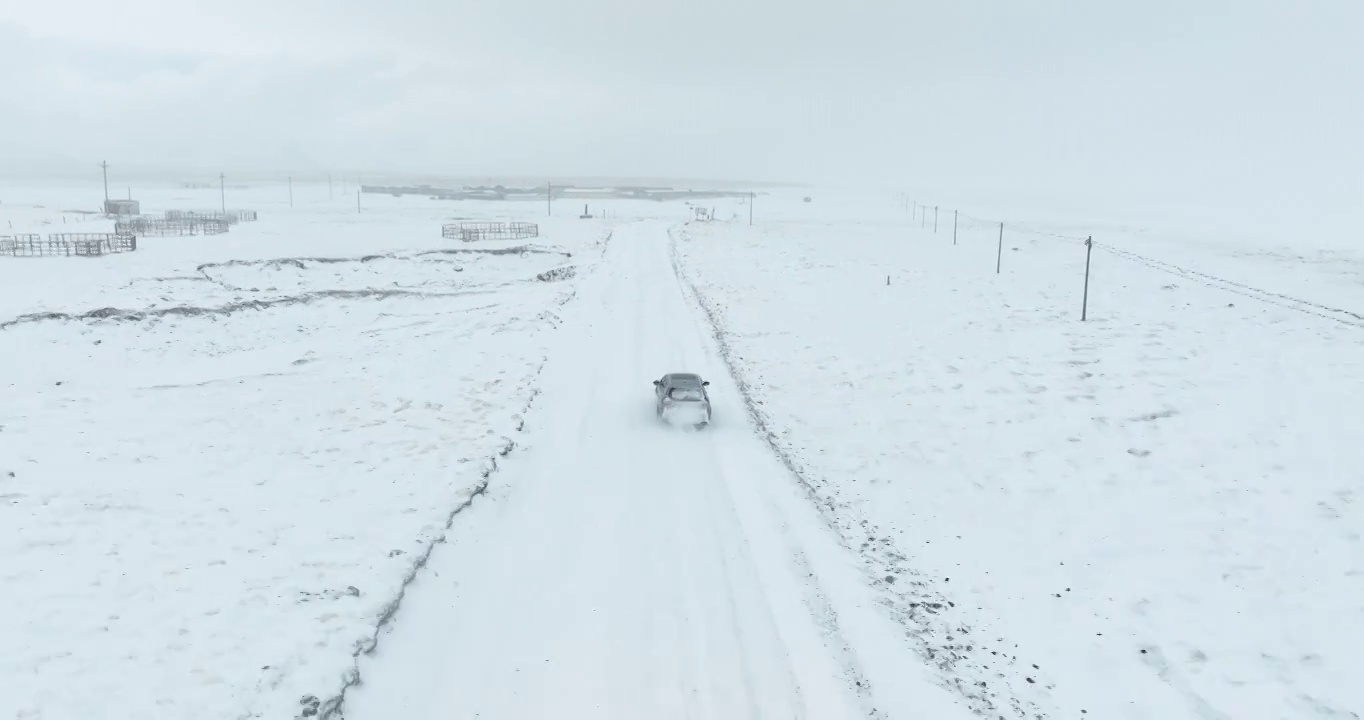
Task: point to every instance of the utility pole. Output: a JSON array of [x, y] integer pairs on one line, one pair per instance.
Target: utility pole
[[954, 226], [549, 198], [1084, 304], [751, 197], [357, 201], [222, 189], [999, 255], [291, 191], [935, 219], [105, 165]]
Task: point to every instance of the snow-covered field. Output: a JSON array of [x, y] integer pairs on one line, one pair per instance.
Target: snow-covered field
[[224, 460], [212, 492], [1153, 514]]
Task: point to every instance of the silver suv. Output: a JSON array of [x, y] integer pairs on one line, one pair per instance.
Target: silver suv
[[682, 394]]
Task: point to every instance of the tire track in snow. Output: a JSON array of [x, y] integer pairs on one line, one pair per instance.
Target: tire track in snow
[[620, 575], [815, 598], [714, 505], [682, 605]]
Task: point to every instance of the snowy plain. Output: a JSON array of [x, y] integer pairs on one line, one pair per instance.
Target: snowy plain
[[212, 492], [1152, 514]]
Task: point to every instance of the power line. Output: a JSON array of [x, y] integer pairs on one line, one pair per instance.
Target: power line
[[1266, 296], [1270, 297]]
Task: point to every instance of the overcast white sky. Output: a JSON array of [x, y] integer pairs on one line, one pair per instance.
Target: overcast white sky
[[1223, 100]]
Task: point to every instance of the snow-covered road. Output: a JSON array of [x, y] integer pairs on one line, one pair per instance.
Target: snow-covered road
[[620, 568]]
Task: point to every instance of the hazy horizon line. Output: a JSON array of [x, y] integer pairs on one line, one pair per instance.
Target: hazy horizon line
[[120, 175]]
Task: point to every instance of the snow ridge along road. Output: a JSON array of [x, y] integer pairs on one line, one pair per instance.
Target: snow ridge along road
[[990, 682], [621, 568]]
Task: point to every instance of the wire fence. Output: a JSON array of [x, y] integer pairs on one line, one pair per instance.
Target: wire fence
[[471, 231], [1271, 297], [960, 221], [66, 244], [231, 217], [189, 225]]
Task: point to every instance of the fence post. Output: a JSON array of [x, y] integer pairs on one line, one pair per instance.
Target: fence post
[[954, 227], [999, 255], [1084, 304]]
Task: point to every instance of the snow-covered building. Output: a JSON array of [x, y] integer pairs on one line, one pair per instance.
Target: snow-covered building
[[122, 207]]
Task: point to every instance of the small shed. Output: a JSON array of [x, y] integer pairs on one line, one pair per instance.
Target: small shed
[[122, 207]]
